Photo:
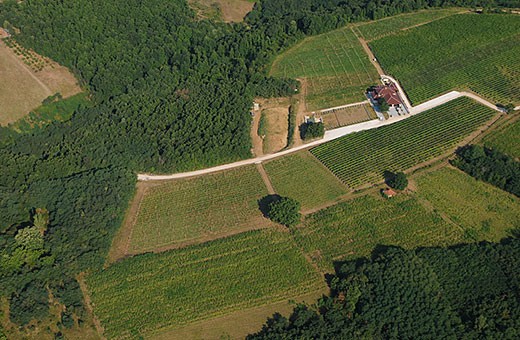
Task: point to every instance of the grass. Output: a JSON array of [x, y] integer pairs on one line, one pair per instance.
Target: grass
[[154, 291], [363, 157], [222, 10], [200, 208], [353, 229], [465, 51], [336, 67], [392, 25], [303, 178], [505, 140], [482, 210]]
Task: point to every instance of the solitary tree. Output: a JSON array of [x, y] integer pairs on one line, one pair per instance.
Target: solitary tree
[[285, 211], [398, 181], [312, 130]]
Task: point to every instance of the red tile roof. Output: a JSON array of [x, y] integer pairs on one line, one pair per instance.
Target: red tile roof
[[389, 92]]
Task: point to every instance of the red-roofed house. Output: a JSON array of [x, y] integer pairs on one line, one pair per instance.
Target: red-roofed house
[[389, 93], [388, 193]]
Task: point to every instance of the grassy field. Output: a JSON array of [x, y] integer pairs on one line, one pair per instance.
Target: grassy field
[[466, 51], [363, 157], [153, 291], [377, 29], [348, 116], [222, 10], [506, 139], [302, 177], [353, 229], [482, 210], [198, 209], [336, 68]]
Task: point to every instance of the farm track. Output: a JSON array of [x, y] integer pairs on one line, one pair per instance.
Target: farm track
[[329, 136]]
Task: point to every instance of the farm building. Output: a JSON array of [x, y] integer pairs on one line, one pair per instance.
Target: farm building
[[4, 33], [390, 94], [388, 193]]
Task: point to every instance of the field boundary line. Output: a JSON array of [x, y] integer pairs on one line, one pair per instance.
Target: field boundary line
[[88, 305], [265, 179]]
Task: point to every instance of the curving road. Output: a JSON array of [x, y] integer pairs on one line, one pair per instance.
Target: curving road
[[329, 135]]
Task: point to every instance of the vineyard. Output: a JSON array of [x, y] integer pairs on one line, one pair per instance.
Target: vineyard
[[302, 177], [505, 140], [482, 210], [336, 68], [153, 291], [353, 229], [465, 51], [200, 208], [377, 29], [347, 116], [363, 157]]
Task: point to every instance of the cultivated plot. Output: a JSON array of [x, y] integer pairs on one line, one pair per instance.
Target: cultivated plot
[[377, 29], [348, 116], [506, 140], [198, 209], [148, 292], [465, 51], [363, 157], [482, 210], [303, 178], [353, 229], [336, 68]]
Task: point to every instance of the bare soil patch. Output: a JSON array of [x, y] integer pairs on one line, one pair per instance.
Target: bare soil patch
[[226, 10], [276, 120], [348, 116]]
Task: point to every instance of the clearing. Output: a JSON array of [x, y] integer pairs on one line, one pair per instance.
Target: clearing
[[27, 79], [177, 213], [482, 210], [302, 177], [476, 52], [334, 65], [151, 292], [222, 10], [506, 139], [363, 157], [273, 124]]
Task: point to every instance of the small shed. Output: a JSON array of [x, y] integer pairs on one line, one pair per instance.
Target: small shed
[[389, 193]]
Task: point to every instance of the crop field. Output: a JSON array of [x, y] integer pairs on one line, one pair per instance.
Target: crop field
[[302, 177], [376, 29], [465, 51], [347, 116], [506, 140], [336, 68], [482, 210], [353, 229], [363, 157], [154, 291], [200, 208]]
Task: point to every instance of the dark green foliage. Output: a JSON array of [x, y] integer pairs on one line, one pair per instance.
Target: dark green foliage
[[312, 130], [291, 125], [383, 105], [32, 301], [398, 181], [491, 166], [285, 211], [469, 291]]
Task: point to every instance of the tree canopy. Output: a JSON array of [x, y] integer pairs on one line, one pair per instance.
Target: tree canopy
[[285, 210]]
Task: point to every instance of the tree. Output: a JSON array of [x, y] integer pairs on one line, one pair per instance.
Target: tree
[[383, 105], [312, 130], [285, 211], [398, 181]]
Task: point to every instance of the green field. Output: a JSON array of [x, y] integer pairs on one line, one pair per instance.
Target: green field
[[352, 229], [376, 29], [482, 210], [199, 208], [302, 177], [363, 157], [152, 291], [335, 66], [506, 140], [465, 51]]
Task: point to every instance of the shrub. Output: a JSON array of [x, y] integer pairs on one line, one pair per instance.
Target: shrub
[[312, 130], [285, 211], [398, 181]]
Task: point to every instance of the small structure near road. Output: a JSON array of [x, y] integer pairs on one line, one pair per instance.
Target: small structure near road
[[388, 193], [4, 33]]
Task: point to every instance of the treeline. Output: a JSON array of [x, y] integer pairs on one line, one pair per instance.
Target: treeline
[[168, 93], [465, 292], [491, 166]]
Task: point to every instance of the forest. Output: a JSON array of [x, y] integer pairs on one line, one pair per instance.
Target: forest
[[463, 292], [168, 93]]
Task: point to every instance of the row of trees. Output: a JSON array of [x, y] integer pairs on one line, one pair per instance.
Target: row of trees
[[168, 93], [469, 291]]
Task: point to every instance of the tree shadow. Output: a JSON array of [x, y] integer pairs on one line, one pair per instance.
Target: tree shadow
[[388, 176], [263, 203]]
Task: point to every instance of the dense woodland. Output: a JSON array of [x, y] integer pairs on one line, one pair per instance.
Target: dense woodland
[[465, 292], [168, 92]]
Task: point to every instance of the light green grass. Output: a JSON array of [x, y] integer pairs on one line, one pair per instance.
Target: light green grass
[[202, 207], [353, 229], [363, 157], [391, 25], [465, 51], [506, 140], [152, 291], [484, 211], [302, 177], [335, 65]]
